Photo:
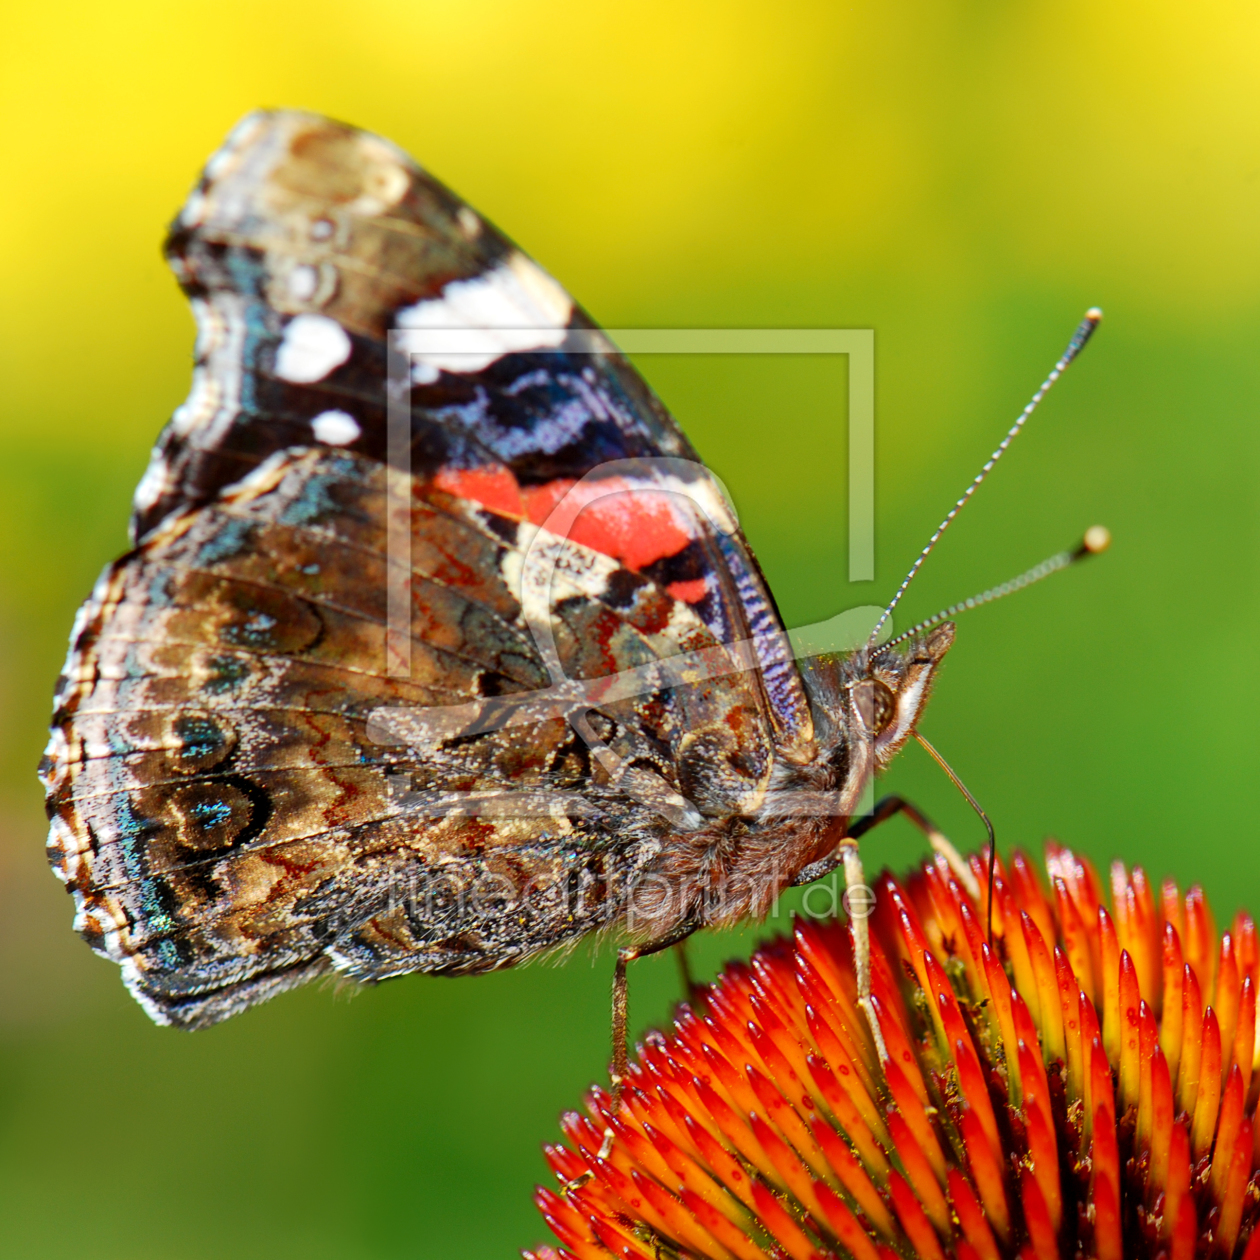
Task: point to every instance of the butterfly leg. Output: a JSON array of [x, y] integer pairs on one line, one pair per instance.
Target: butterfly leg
[[859, 898], [621, 997], [891, 806]]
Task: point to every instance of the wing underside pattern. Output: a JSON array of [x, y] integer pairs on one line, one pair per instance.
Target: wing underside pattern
[[227, 805], [223, 815]]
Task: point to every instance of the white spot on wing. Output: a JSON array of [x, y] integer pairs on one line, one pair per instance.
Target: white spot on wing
[[337, 428], [303, 281], [194, 209], [313, 346], [239, 138], [514, 307], [382, 170], [154, 484]]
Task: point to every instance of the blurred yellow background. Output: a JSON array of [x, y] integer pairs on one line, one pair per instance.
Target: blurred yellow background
[[965, 179]]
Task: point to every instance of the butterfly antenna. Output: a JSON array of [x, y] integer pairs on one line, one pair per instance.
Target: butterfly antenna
[[1082, 334], [1097, 538], [984, 818]]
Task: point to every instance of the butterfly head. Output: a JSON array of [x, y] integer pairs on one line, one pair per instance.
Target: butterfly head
[[889, 689], [866, 704]]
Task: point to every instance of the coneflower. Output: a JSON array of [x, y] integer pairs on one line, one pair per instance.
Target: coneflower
[[1083, 1086]]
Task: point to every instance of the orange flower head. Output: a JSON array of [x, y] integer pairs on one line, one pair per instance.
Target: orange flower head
[[1080, 1085]]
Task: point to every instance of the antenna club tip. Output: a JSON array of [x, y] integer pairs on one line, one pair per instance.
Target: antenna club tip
[[1097, 538], [1094, 314]]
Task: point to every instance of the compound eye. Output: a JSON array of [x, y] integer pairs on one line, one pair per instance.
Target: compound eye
[[876, 705]]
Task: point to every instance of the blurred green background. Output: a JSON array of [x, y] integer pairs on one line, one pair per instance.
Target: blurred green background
[[965, 179]]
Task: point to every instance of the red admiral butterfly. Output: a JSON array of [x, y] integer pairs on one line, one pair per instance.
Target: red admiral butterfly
[[437, 670]]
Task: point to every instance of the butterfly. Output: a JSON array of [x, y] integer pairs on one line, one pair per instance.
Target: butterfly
[[438, 646]]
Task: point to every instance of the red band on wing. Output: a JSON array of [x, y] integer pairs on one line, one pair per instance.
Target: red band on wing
[[631, 523], [634, 525], [689, 592], [493, 487]]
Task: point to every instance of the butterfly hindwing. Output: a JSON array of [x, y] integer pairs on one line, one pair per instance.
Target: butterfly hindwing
[[228, 821]]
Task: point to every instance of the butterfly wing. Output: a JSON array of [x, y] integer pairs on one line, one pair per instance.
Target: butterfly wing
[[256, 774]]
